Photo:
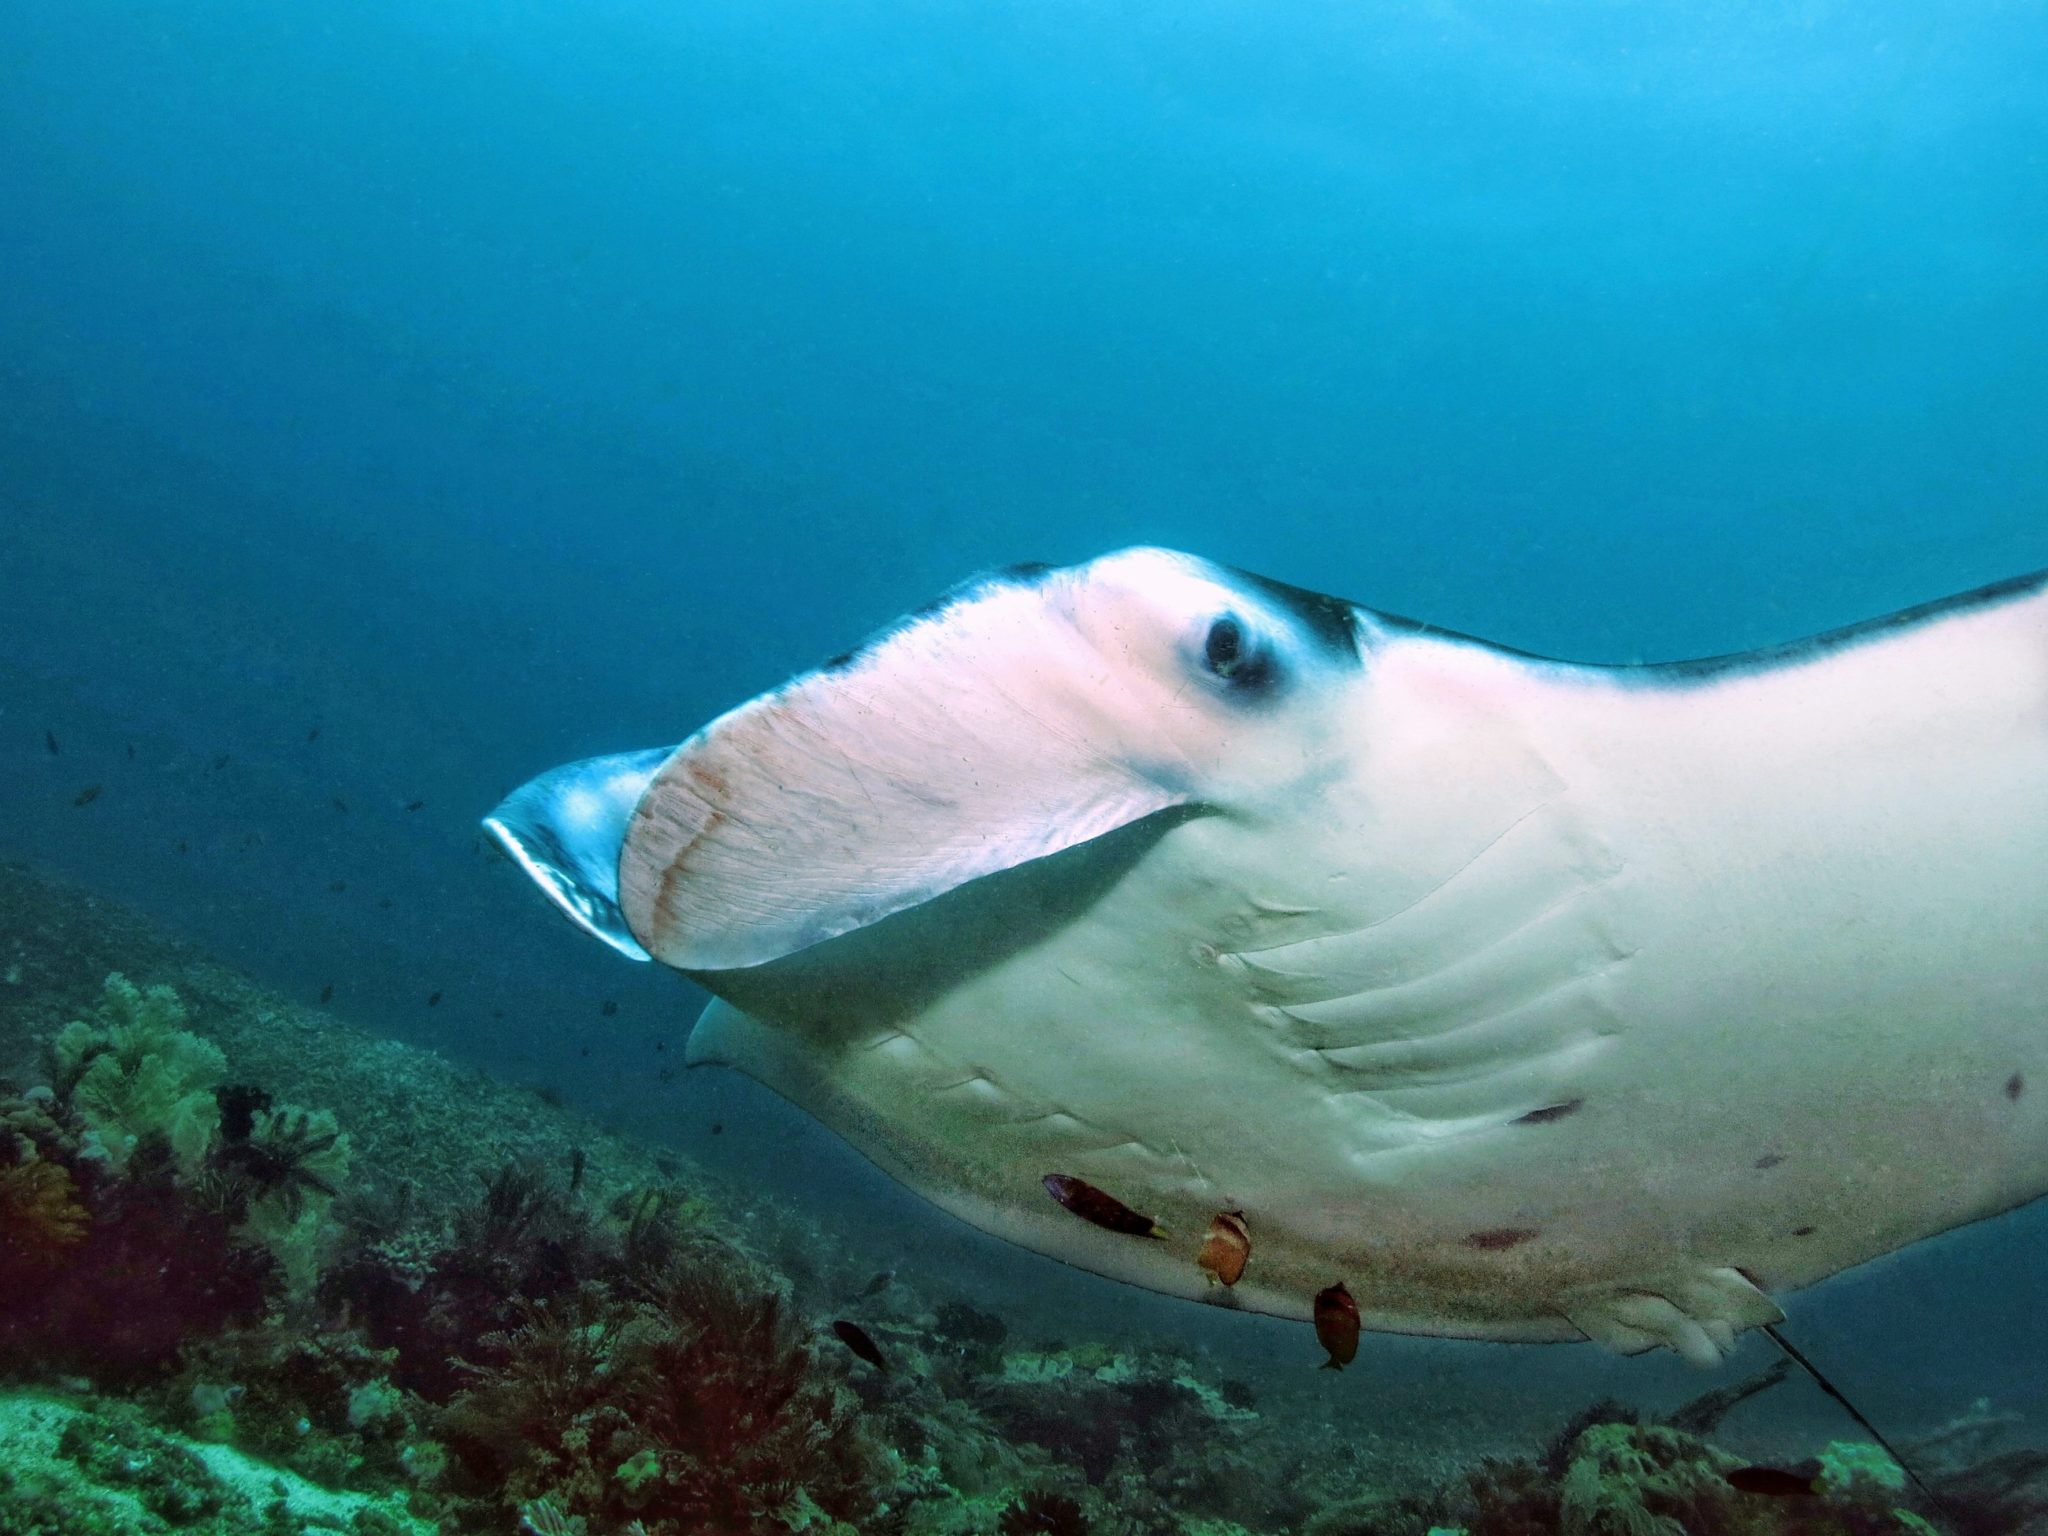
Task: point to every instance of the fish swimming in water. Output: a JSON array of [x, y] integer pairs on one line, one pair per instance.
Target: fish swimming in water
[[1227, 1248], [1336, 1320], [1098, 1206], [1427, 954], [855, 1338]]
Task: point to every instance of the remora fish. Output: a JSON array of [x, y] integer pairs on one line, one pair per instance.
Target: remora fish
[[1536, 1000]]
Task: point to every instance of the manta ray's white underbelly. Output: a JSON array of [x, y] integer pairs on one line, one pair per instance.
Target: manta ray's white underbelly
[[1594, 1012]]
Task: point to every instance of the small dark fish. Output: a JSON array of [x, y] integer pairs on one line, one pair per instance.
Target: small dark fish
[[50, 741], [1100, 1207], [1337, 1326], [339, 804], [416, 805], [384, 905], [855, 1338], [576, 1161], [877, 1284], [183, 846], [87, 795], [609, 1008], [661, 1045], [1775, 1482], [131, 751], [336, 887], [433, 999], [327, 993], [718, 1128], [1227, 1248], [220, 762], [313, 735]]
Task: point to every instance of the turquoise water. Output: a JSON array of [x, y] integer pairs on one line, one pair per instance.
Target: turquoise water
[[396, 401]]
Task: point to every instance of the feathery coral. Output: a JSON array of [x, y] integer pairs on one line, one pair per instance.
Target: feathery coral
[[134, 1070]]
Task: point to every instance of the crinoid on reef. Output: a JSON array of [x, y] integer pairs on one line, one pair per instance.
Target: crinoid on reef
[[689, 1400]]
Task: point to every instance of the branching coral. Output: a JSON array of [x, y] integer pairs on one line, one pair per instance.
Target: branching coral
[[173, 1220]]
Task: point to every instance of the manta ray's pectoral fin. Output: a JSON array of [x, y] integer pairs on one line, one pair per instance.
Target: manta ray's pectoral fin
[[1695, 1313]]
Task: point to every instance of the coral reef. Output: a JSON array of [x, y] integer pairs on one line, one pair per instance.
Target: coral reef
[[451, 1308]]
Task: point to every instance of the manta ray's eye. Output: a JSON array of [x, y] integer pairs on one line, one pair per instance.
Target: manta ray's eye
[[1223, 651], [1240, 659]]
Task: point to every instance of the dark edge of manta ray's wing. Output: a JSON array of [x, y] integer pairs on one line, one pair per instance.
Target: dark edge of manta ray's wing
[[1786, 653], [1793, 652]]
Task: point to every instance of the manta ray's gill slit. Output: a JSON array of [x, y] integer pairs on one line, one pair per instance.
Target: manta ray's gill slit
[[1371, 993], [1551, 1113], [1481, 1043], [1499, 1239], [1389, 1114], [1536, 861]]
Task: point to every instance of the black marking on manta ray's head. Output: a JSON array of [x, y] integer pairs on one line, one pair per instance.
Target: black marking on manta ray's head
[[1028, 573], [1330, 621]]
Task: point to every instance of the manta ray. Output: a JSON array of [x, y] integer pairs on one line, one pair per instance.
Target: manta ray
[[1525, 999]]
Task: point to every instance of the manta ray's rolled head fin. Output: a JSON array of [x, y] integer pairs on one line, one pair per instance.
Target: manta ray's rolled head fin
[[1021, 715], [565, 829]]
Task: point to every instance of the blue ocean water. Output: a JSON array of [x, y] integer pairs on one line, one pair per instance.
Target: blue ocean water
[[398, 400]]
